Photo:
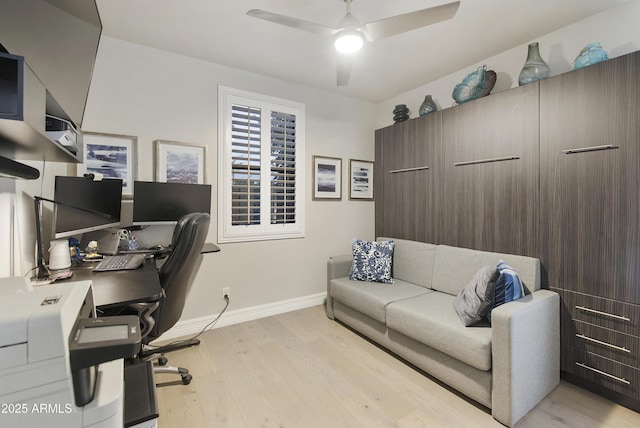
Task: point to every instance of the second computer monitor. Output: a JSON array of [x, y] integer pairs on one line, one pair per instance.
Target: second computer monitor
[[165, 203]]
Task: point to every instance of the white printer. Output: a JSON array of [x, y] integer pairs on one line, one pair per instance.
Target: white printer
[[60, 366]]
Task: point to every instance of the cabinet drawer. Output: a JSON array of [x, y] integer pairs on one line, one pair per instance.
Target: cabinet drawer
[[602, 371], [614, 315], [611, 344]]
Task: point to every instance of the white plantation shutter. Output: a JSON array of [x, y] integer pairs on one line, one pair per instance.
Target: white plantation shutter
[[245, 165], [261, 167], [283, 168]]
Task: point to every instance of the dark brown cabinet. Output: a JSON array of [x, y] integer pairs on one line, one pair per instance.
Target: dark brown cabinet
[[407, 189], [590, 158], [590, 212], [490, 172]]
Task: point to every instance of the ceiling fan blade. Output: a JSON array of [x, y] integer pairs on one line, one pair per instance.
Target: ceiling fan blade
[[377, 30], [345, 63], [288, 21]]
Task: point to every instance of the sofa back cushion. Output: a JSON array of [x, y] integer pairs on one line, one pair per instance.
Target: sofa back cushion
[[413, 261], [454, 267]]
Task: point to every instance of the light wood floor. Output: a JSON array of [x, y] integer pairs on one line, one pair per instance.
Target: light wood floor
[[301, 370]]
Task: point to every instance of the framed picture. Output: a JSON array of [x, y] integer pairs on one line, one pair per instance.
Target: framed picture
[[360, 180], [180, 162], [113, 156], [327, 178]]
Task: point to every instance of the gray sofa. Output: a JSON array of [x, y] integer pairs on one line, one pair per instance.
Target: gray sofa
[[507, 366]]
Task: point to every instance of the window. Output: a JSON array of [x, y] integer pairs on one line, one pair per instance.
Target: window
[[260, 167]]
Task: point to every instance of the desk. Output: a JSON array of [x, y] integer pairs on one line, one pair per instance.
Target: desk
[[122, 287]]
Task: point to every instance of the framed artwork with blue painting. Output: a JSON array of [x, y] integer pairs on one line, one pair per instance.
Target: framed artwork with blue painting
[[177, 162], [360, 180], [327, 178], [110, 156]]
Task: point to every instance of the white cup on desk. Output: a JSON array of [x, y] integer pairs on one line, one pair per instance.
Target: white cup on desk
[[59, 256]]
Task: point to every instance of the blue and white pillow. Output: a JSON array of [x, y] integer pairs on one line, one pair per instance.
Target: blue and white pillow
[[508, 287], [372, 261]]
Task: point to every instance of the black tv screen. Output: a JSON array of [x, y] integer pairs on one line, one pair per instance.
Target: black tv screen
[[165, 203], [84, 205]]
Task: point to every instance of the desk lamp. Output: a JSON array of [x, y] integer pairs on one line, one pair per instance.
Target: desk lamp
[[43, 273]]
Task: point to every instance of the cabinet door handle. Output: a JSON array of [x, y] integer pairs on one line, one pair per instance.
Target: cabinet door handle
[[593, 311], [473, 162], [590, 149], [599, 342], [417, 168], [619, 379]]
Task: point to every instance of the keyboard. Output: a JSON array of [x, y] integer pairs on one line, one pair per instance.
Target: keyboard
[[120, 262]]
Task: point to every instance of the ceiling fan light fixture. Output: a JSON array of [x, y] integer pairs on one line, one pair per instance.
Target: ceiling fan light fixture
[[349, 41]]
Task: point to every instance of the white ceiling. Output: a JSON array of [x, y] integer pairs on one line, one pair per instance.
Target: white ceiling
[[219, 31]]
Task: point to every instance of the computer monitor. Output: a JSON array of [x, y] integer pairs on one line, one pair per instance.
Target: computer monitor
[[83, 205], [164, 203]]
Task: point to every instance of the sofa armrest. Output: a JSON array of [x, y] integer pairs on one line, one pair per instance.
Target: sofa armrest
[[337, 267], [526, 354]]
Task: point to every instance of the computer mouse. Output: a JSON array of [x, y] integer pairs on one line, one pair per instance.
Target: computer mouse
[[156, 247]]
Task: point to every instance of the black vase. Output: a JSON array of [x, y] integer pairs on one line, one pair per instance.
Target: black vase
[[400, 113]]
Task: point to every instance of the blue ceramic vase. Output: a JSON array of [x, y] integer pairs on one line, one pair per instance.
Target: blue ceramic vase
[[427, 106]]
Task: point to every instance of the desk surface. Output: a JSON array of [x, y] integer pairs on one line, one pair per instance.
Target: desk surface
[[122, 287]]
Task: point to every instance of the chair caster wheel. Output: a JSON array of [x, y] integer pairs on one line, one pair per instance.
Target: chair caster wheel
[[163, 361], [186, 379]]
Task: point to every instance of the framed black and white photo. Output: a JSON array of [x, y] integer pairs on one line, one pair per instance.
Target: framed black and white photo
[[360, 180], [327, 178], [180, 162], [113, 156]]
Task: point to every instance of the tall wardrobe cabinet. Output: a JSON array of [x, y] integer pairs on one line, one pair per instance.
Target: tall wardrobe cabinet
[[590, 210]]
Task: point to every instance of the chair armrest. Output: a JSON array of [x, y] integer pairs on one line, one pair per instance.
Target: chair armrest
[[526, 354], [337, 267]]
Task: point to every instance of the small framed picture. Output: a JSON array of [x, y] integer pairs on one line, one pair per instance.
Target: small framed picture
[[113, 156], [360, 180], [327, 178], [180, 162]]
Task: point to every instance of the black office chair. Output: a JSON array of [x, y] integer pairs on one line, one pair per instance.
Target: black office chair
[[176, 272]]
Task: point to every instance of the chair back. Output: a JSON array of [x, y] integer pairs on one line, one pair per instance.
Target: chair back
[[179, 268]]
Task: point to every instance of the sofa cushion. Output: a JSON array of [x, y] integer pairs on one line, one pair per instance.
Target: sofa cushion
[[508, 287], [454, 267], [474, 300], [430, 319], [372, 298], [372, 261], [413, 261]]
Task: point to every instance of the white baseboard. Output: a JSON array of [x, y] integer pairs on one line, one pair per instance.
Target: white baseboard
[[193, 326]]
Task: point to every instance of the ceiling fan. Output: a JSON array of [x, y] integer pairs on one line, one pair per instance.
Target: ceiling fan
[[350, 34]]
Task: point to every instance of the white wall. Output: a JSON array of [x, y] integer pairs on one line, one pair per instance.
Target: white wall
[[153, 94], [24, 229], [616, 29]]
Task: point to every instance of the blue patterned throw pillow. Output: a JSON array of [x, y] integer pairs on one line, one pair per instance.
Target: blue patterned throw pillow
[[508, 287], [372, 261]]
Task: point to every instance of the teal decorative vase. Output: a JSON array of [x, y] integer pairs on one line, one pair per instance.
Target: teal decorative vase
[[591, 54], [534, 68], [427, 106]]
